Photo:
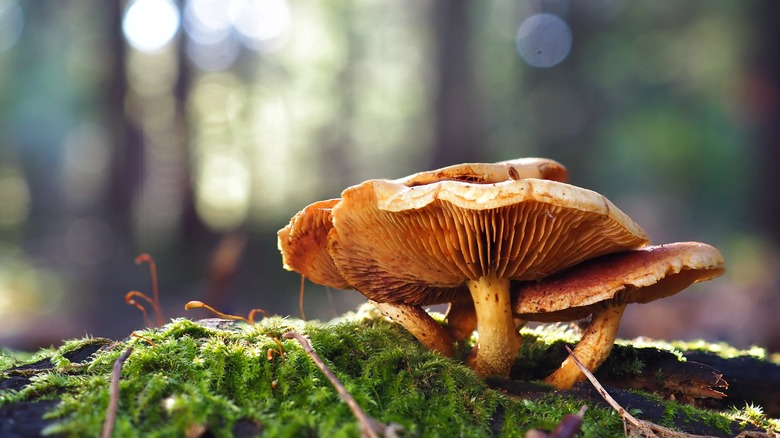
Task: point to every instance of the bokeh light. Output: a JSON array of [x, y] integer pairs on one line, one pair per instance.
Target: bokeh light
[[262, 24], [149, 25], [207, 21], [543, 40], [222, 188]]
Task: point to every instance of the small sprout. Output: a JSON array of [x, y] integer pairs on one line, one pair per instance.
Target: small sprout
[[136, 294], [155, 301], [279, 351], [249, 320], [253, 312], [136, 335]]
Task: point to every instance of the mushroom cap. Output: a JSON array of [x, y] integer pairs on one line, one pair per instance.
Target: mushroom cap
[[419, 244], [304, 245], [637, 276], [304, 241], [485, 173]]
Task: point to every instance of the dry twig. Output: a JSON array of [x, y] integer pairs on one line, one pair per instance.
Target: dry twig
[[369, 427], [113, 402], [632, 426]]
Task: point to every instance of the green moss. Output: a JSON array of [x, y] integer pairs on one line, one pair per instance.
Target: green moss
[[187, 377]]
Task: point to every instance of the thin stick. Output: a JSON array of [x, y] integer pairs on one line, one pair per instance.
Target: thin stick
[[300, 298], [368, 426], [623, 414], [637, 427], [113, 402]]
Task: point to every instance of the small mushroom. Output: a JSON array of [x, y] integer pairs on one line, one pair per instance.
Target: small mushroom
[[447, 240], [603, 287]]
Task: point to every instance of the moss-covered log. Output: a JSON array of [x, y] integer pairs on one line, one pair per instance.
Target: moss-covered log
[[192, 378]]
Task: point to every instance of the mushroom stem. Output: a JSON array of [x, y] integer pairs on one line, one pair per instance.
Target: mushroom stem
[[420, 324], [593, 348], [499, 339], [461, 319]]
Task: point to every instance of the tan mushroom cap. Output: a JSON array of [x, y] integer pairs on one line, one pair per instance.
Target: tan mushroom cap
[[419, 245], [486, 173], [638, 276], [304, 245], [304, 241]]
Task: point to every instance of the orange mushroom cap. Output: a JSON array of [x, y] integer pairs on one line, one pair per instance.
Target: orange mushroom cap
[[304, 241], [637, 276]]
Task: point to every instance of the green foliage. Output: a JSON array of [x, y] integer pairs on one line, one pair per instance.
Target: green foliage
[[188, 377]]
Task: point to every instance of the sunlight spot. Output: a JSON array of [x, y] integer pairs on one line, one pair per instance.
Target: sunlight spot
[[149, 25]]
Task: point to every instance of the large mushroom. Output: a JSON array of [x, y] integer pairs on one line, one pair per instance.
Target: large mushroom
[[304, 244], [449, 240], [603, 286]]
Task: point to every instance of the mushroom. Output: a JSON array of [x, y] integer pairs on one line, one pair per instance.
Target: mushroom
[[454, 238], [304, 244], [458, 235], [603, 287]]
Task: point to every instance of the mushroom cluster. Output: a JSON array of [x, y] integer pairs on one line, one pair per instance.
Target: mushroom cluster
[[501, 243]]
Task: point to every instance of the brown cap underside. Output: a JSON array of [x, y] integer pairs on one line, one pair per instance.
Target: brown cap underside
[[637, 276]]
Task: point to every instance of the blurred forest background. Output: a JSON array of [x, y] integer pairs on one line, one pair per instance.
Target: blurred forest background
[[194, 129]]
